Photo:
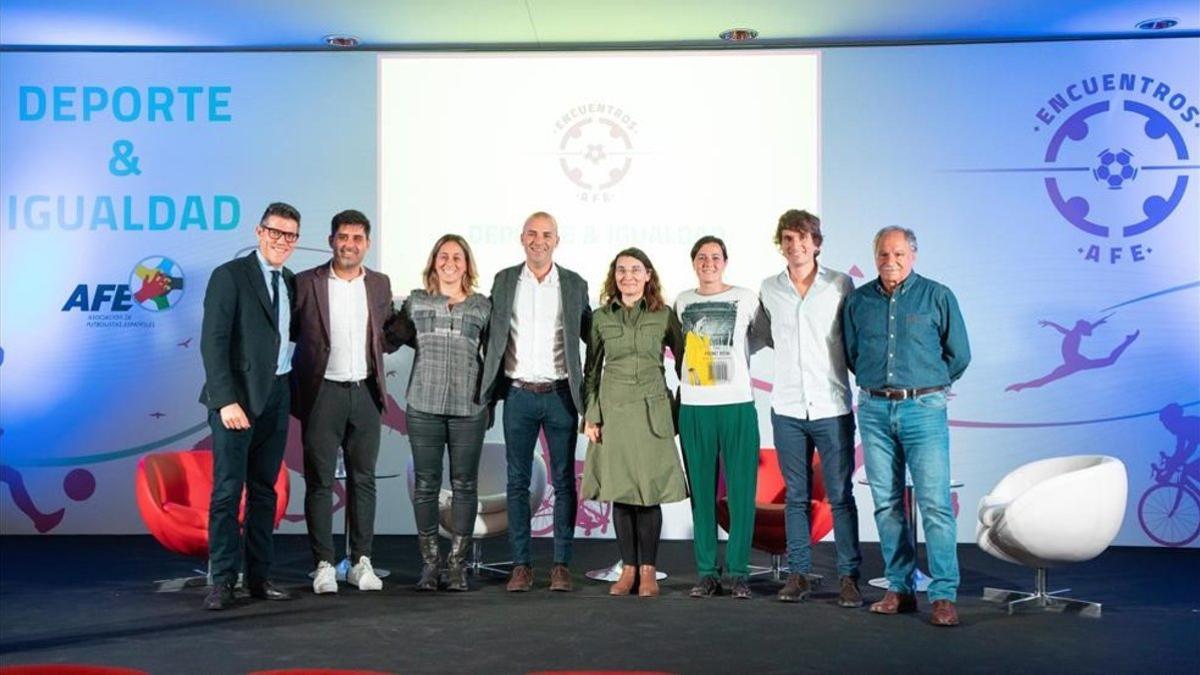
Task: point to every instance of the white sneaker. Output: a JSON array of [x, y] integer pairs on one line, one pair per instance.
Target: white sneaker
[[363, 576], [325, 580]]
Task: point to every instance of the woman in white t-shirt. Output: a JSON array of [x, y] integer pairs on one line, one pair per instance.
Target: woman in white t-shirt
[[717, 419]]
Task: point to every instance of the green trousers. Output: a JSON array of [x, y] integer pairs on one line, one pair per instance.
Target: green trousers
[[728, 433]]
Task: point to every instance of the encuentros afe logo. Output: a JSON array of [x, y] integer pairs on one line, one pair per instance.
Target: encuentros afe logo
[[156, 284], [1117, 163], [595, 148]]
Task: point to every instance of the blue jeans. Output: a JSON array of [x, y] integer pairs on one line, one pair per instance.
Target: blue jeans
[[911, 434], [833, 438], [525, 415]]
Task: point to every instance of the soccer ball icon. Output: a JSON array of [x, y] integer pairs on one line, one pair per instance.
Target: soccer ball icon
[[1115, 168]]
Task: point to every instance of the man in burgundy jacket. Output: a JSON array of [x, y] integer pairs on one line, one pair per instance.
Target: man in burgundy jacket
[[339, 393]]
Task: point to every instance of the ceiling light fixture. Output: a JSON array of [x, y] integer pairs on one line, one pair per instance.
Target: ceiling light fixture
[[739, 35], [341, 41], [1161, 23]]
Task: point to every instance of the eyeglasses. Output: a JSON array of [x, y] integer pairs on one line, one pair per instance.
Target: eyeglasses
[[275, 234]]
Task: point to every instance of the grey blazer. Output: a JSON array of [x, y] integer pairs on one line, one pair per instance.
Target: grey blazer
[[577, 325]]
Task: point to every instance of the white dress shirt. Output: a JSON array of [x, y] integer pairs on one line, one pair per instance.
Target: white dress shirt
[[811, 380], [348, 318], [536, 351]]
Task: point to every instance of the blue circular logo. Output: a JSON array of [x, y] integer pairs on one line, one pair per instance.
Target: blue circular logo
[[157, 283], [1117, 168]]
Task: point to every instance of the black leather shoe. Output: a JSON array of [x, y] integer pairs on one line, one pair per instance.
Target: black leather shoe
[[220, 596], [265, 590]]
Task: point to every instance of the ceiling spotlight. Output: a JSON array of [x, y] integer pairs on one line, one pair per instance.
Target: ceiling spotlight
[[341, 41], [1161, 23], [739, 35]]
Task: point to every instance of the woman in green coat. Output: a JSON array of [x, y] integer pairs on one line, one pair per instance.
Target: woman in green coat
[[631, 459]]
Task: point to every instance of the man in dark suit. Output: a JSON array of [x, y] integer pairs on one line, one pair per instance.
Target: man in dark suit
[[540, 311], [339, 393], [247, 357]]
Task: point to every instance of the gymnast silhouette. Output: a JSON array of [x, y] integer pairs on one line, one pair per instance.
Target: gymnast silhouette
[[1073, 361]]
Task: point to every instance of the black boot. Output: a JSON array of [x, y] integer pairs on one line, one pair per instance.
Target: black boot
[[456, 568], [428, 544]]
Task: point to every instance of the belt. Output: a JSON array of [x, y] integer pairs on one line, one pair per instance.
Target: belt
[[347, 385], [540, 387], [901, 394]]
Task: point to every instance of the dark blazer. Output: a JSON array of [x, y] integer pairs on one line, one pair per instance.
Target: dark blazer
[[577, 325], [310, 332], [239, 341]]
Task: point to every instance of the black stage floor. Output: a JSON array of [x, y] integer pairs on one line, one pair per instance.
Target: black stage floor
[[90, 600]]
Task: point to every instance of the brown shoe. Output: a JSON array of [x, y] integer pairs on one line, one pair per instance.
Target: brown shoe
[[560, 579], [648, 581], [624, 585], [944, 613], [849, 596], [521, 579], [895, 603], [796, 589]]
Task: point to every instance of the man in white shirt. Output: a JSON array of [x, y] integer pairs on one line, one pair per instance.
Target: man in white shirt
[[339, 393], [540, 312], [810, 401]]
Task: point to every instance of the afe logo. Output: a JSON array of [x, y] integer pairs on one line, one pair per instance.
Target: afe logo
[[1117, 168]]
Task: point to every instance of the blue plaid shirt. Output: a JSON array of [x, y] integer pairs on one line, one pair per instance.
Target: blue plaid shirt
[[911, 339]]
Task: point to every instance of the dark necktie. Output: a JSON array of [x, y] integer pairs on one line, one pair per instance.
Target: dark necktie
[[275, 298]]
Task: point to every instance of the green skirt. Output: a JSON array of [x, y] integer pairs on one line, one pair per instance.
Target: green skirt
[[636, 461]]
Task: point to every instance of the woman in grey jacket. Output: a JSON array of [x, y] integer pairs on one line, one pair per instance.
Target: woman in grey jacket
[[445, 323]]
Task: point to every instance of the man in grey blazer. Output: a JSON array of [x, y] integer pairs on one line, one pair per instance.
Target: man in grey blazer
[[540, 312]]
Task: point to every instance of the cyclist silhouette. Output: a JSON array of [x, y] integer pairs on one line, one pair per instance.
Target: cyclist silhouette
[[1073, 361], [1169, 510], [1186, 429]]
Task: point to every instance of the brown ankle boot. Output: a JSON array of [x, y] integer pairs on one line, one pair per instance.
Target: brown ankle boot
[[624, 585], [648, 586]]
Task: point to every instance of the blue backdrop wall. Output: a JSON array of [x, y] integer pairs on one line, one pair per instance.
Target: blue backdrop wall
[[118, 163], [1052, 186], [996, 155]]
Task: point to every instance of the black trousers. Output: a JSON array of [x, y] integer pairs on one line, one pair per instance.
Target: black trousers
[[431, 436], [248, 459], [342, 416], [638, 530]]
